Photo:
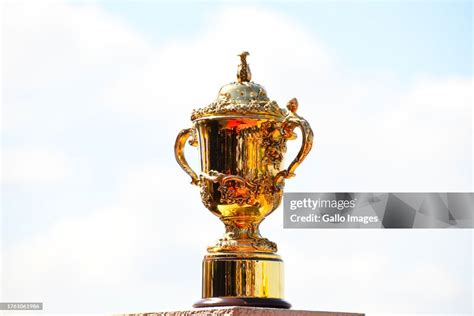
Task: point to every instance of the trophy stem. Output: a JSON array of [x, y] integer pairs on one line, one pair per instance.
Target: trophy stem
[[242, 237]]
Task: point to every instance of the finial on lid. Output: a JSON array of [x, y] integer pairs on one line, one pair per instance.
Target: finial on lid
[[243, 72]]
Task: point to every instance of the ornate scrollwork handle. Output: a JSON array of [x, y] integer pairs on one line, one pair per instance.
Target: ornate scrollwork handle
[[179, 152], [291, 121]]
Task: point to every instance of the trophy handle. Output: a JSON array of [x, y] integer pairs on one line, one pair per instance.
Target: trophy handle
[[179, 152], [292, 121]]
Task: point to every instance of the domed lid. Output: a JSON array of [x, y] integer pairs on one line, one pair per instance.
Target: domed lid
[[242, 97]]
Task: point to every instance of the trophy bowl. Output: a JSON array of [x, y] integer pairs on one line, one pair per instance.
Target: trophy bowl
[[242, 141]]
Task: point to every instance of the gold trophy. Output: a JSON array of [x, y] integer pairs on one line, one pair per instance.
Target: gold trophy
[[242, 139]]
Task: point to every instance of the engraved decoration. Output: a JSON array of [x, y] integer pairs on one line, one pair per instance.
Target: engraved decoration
[[242, 141]]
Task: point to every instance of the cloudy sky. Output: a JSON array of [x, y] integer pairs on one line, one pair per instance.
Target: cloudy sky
[[98, 217]]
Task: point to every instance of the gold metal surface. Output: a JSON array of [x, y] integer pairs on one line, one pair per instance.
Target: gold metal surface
[[184, 135], [234, 276], [242, 140], [243, 72]]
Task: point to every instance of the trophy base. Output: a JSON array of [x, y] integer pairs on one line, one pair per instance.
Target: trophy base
[[242, 301], [242, 279]]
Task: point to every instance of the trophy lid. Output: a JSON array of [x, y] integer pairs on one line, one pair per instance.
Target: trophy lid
[[240, 98]]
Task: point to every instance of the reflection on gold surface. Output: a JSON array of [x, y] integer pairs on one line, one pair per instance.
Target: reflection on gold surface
[[242, 141], [242, 277]]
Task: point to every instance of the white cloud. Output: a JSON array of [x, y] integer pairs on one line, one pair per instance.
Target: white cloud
[[34, 166], [187, 74], [143, 243], [372, 127], [372, 133], [40, 48], [56, 57], [361, 280], [156, 235], [92, 250]]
